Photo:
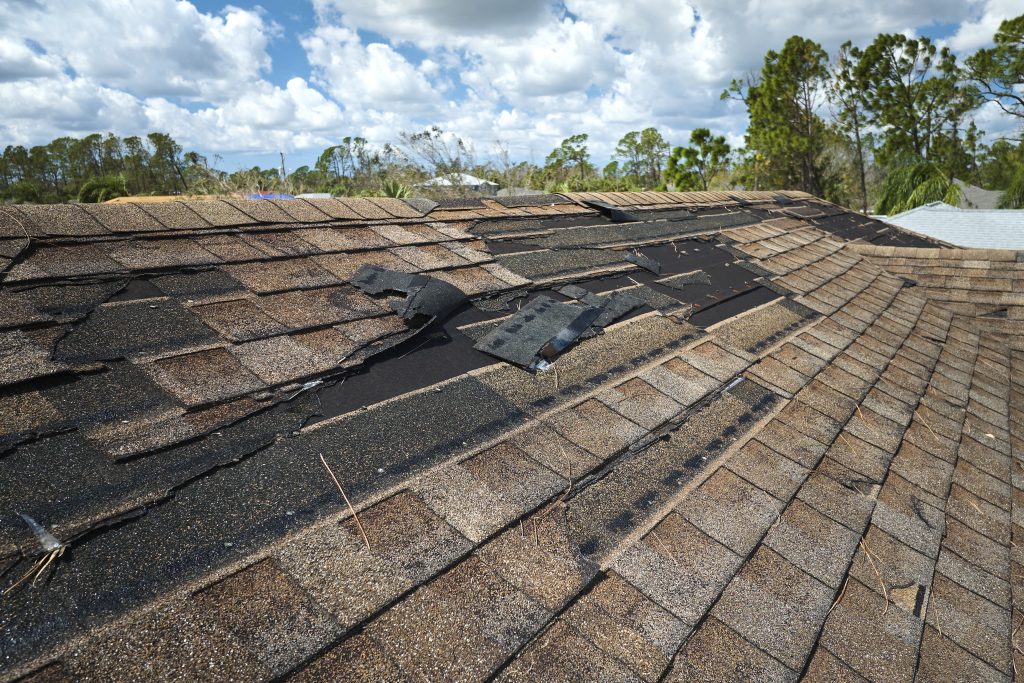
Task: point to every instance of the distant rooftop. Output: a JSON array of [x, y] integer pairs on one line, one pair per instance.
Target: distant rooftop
[[979, 228]]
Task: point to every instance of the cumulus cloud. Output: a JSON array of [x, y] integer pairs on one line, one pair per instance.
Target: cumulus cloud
[[984, 22], [528, 73], [72, 68]]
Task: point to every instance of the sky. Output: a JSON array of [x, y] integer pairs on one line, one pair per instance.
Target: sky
[[249, 79]]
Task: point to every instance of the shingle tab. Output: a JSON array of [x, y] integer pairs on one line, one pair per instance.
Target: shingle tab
[[817, 486]]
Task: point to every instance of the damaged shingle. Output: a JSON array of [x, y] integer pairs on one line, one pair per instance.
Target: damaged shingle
[[543, 324], [534, 336], [644, 262], [694, 277], [425, 296]]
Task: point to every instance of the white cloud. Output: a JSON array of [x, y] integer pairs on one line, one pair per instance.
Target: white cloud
[[367, 76], [529, 72], [437, 22], [19, 61], [131, 68], [982, 26]]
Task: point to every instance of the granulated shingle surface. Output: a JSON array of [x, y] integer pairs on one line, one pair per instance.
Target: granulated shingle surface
[[815, 478]]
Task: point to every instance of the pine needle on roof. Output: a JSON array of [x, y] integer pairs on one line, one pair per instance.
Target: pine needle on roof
[[355, 516]]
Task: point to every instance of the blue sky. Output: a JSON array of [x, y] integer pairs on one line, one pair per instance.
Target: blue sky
[[245, 80]]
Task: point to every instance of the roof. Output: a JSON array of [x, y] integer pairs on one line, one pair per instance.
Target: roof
[[974, 197], [978, 228], [457, 179], [259, 439]]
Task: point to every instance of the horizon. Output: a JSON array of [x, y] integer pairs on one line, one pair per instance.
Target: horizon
[[244, 81]]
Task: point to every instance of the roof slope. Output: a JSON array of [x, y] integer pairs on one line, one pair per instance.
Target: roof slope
[[975, 228], [796, 455]]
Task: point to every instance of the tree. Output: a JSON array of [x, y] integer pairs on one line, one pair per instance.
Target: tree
[[913, 185], [998, 72], [912, 95], [849, 111], [693, 168], [570, 158], [98, 190], [783, 102], [643, 155]]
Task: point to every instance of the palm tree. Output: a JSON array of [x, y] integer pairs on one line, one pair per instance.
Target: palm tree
[[913, 185]]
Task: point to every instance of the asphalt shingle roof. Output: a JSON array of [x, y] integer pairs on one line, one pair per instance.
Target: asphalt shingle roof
[[799, 458], [972, 228]]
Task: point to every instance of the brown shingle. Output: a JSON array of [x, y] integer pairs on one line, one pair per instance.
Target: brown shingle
[[238, 320], [279, 276], [409, 544], [486, 491], [640, 403], [731, 510], [775, 606], [715, 653], [878, 642], [595, 427], [813, 542], [60, 220], [679, 567], [204, 376], [143, 254], [277, 360], [344, 239], [462, 625], [268, 612]]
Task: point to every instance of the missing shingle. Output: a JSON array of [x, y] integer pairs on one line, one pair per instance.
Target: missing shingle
[[909, 598], [614, 213], [137, 288]]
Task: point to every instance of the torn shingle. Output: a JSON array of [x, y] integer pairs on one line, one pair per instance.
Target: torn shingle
[[424, 296], [539, 331]]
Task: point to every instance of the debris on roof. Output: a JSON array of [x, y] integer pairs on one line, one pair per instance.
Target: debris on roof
[[789, 450]]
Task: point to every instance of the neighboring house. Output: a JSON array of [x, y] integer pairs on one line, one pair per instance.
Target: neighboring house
[[462, 181], [301, 440], [978, 228], [974, 197]]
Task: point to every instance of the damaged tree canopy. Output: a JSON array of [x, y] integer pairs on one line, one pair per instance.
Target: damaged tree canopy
[[425, 297], [534, 336]]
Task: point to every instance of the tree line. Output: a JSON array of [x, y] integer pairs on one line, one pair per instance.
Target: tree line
[[884, 127]]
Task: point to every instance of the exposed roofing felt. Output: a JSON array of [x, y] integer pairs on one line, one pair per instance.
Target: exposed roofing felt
[[974, 228], [799, 457]]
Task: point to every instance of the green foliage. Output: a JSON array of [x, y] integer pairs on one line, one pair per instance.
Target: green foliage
[[785, 128], [569, 163], [695, 167], [912, 93], [998, 72], [57, 171], [913, 185], [999, 164], [643, 155], [97, 190], [850, 115], [1013, 196], [393, 188]]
